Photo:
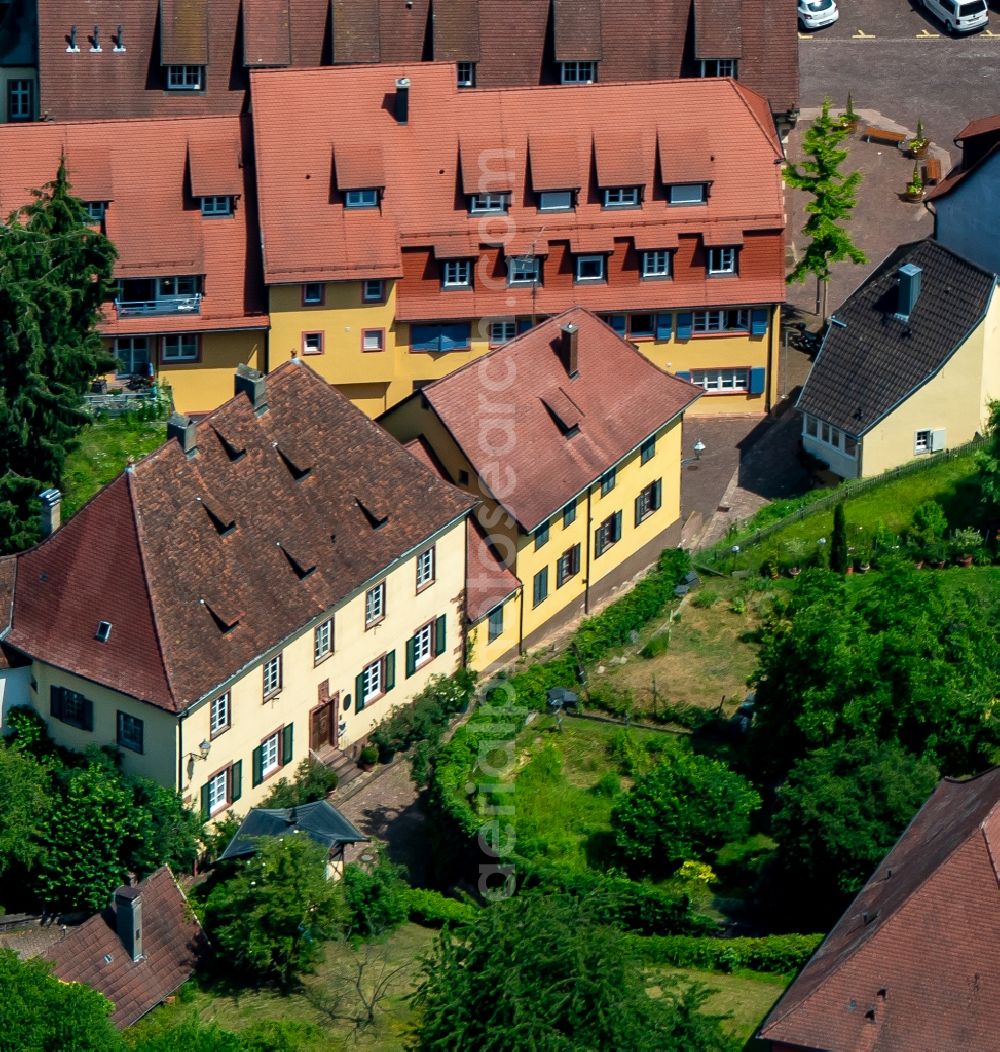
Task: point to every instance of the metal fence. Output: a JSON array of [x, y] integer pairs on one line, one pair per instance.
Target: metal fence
[[844, 491]]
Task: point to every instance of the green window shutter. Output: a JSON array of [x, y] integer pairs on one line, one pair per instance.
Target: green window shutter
[[56, 702], [411, 657], [440, 634], [618, 526], [286, 744], [235, 782], [258, 765], [638, 509], [359, 692], [657, 494], [204, 803], [390, 670], [88, 714]]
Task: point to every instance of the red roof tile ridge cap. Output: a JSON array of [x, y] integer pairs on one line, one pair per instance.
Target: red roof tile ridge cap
[[743, 92], [198, 121], [150, 597]]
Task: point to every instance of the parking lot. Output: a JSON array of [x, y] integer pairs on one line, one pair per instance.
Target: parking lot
[[896, 59]]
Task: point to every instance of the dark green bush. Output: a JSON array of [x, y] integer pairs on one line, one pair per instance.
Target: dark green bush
[[375, 895], [659, 644], [768, 953], [705, 598], [313, 781], [426, 716], [609, 785], [432, 909]]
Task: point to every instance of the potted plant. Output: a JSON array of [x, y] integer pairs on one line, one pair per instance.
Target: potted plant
[[863, 559], [849, 118], [928, 526], [964, 545], [795, 550], [915, 187], [937, 554], [368, 757], [919, 144]]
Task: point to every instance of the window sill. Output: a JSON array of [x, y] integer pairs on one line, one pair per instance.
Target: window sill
[[655, 277], [719, 332], [326, 657], [725, 391], [212, 735], [274, 695], [590, 281], [375, 623], [423, 587], [131, 748], [644, 338], [224, 806], [456, 288], [722, 274]]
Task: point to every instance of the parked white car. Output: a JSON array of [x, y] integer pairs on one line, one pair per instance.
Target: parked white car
[[815, 14], [959, 16]]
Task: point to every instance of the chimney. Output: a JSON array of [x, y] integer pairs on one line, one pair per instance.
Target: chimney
[[184, 429], [128, 917], [907, 290], [50, 499], [253, 384], [402, 104], [569, 349]]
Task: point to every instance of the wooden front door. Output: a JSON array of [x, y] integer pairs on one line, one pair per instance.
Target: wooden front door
[[322, 729]]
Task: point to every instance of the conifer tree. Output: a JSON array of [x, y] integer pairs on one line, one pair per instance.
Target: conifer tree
[[55, 272], [833, 201], [838, 544]]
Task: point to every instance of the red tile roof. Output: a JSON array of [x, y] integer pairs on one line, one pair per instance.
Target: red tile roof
[[143, 169], [180, 575], [172, 942], [428, 163], [980, 140], [546, 467], [914, 963]]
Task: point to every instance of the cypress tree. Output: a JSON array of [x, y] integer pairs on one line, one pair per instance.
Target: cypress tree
[[55, 272], [838, 543]]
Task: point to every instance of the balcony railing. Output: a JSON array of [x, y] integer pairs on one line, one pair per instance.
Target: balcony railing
[[164, 305]]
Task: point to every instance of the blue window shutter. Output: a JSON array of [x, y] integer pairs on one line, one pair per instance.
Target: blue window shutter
[[523, 324], [657, 494], [236, 782], [683, 374], [664, 326], [359, 692], [455, 337], [756, 381], [685, 321], [617, 322], [425, 337], [758, 321]]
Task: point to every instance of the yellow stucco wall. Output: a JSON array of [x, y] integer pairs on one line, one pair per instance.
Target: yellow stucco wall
[[482, 653], [253, 718], [955, 399]]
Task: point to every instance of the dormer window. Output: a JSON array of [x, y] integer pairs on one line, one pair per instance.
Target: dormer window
[[718, 67], [590, 269], [555, 201], [217, 205], [688, 193], [185, 78], [466, 74], [456, 274], [367, 198], [722, 260], [577, 72], [621, 197], [103, 633], [524, 270], [95, 210], [656, 263], [479, 203]]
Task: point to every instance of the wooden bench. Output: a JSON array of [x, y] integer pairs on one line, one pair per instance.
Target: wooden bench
[[892, 138], [932, 171]]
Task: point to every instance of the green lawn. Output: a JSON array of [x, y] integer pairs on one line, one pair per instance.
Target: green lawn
[[104, 450], [315, 1007]]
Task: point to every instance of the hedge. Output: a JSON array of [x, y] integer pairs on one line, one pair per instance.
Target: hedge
[[767, 953], [426, 716], [432, 909]]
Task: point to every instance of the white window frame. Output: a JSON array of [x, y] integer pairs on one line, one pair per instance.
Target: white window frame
[[373, 290], [372, 681], [589, 260], [95, 210], [373, 340], [456, 274], [656, 263], [272, 676], [494, 624], [270, 754], [578, 72], [730, 379], [220, 715], [312, 342], [922, 440], [489, 203], [185, 78], [134, 342], [465, 74], [423, 645], [621, 197], [425, 567], [555, 201], [722, 260], [523, 270], [502, 332], [676, 194], [375, 604], [180, 347], [218, 801], [322, 640], [719, 67], [363, 197], [217, 205], [732, 319], [312, 294]]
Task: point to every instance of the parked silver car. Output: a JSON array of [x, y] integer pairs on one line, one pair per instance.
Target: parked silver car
[[959, 16]]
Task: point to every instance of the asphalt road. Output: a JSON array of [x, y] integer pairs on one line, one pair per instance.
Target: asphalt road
[[895, 58]]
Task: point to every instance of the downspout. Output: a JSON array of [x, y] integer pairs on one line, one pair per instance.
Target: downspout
[[770, 361], [586, 543], [180, 748], [520, 631]]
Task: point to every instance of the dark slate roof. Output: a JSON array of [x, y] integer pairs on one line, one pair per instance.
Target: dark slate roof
[[319, 820], [172, 942], [874, 361], [914, 963]]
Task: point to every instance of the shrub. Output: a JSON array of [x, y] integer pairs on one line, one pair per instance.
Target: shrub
[[768, 953], [375, 896], [927, 527], [368, 756], [705, 598], [424, 718], [313, 781], [738, 604], [609, 785], [659, 644], [432, 909]]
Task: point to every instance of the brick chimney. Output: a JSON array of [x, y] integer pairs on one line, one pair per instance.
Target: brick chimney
[[184, 429], [128, 916], [253, 384], [569, 339], [49, 501]]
